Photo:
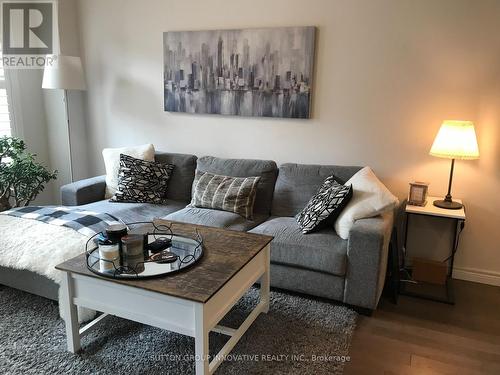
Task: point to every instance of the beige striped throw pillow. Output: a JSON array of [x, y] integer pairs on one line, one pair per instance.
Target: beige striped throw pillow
[[233, 194]]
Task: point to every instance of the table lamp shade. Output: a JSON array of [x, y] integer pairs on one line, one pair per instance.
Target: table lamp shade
[[65, 73], [456, 140]]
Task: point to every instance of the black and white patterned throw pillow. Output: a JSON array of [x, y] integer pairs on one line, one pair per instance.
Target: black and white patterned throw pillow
[[142, 181], [324, 207]]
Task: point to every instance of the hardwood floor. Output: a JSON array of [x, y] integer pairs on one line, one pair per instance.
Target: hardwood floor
[[423, 337]]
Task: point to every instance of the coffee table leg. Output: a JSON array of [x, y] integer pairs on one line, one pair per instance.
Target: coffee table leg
[[70, 314], [265, 281], [201, 341]]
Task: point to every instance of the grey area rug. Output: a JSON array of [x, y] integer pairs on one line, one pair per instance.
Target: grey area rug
[[298, 336]]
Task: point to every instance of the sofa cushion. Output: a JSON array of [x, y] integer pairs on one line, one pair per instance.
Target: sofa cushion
[[297, 183], [300, 280], [322, 251], [231, 194], [111, 158], [181, 180], [215, 218], [325, 206], [131, 212], [266, 169], [142, 181], [370, 198]]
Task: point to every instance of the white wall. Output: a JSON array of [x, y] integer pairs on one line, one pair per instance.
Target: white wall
[[31, 125], [388, 72]]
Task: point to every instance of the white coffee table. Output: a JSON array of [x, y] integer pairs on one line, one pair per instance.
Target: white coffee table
[[190, 303]]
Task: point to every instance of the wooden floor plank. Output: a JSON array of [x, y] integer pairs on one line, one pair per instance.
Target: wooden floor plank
[[447, 368], [389, 348], [423, 337]]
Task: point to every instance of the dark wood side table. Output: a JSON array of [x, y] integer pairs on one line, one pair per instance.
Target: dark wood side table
[[433, 292]]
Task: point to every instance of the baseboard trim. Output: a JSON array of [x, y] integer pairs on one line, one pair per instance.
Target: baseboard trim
[[477, 276]]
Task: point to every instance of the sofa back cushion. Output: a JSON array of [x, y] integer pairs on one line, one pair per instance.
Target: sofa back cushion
[[267, 170], [297, 183], [181, 180]]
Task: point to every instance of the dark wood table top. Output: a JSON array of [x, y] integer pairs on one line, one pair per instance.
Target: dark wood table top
[[225, 253]]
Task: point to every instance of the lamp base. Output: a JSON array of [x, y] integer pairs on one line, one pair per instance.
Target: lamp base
[[448, 204]]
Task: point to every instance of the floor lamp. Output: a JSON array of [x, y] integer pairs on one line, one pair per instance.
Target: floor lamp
[[65, 73]]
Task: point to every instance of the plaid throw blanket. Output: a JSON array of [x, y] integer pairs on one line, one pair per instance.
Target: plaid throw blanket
[[87, 223]]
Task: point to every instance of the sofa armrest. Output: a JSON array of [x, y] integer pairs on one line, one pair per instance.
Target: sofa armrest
[[367, 252], [83, 191]]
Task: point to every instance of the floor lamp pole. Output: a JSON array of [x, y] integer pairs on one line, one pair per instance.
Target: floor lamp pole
[[69, 134]]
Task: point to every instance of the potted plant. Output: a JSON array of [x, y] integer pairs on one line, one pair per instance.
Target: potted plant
[[21, 177]]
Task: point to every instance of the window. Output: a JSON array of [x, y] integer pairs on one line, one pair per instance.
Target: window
[[5, 105]]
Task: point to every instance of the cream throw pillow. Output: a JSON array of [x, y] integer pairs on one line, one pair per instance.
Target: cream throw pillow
[[370, 198], [112, 163]]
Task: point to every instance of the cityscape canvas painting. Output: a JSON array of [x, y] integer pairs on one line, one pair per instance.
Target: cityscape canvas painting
[[247, 72]]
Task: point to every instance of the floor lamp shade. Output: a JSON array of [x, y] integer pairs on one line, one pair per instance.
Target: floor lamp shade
[[455, 140], [66, 72]]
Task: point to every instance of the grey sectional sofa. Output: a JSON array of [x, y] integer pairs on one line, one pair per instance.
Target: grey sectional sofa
[[321, 264]]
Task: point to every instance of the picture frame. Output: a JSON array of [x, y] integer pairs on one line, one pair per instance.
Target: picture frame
[[418, 193], [263, 72]]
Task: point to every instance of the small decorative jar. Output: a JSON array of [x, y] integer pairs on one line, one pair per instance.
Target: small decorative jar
[[115, 232], [109, 256], [133, 252]]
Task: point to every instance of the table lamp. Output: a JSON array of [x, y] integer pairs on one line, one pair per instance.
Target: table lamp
[[66, 73], [455, 140]]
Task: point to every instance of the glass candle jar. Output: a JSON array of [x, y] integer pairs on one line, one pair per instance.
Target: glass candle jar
[[109, 256], [133, 252], [115, 232]]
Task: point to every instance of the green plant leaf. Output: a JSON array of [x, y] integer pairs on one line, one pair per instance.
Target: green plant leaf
[[21, 177]]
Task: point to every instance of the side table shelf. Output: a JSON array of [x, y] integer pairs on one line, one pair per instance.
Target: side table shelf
[[434, 292]]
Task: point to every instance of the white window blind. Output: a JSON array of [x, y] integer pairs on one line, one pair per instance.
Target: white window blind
[[5, 105]]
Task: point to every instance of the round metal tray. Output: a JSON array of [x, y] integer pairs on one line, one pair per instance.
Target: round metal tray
[[188, 250]]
